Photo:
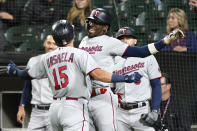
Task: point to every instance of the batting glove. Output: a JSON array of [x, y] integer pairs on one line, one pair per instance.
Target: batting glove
[[150, 118], [174, 35], [12, 69], [135, 77]]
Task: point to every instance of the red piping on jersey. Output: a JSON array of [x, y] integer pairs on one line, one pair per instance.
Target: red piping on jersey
[[156, 78], [92, 70], [125, 51], [102, 91], [83, 118], [113, 112]]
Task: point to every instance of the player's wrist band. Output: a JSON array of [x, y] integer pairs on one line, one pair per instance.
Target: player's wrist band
[[117, 78], [159, 45], [152, 48]]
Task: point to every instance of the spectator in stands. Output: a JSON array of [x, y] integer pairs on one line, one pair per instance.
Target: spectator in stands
[[173, 115], [9, 16], [42, 12], [76, 16], [193, 5], [79, 11], [157, 2], [177, 19]]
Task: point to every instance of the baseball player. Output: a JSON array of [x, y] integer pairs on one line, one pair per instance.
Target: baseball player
[[134, 97], [67, 68], [41, 94], [103, 49]]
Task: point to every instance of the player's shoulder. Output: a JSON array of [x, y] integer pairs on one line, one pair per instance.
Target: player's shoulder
[[84, 39], [80, 51], [35, 58], [76, 51], [109, 38], [151, 57]]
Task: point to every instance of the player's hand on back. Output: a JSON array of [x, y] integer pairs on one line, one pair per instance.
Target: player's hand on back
[[21, 114], [12, 69], [135, 77], [174, 35]]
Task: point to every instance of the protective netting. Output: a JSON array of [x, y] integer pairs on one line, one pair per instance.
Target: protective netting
[[147, 17]]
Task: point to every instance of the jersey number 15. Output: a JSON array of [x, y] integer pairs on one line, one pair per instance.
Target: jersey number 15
[[63, 78]]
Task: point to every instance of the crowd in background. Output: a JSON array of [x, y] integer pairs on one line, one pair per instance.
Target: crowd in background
[[38, 16]]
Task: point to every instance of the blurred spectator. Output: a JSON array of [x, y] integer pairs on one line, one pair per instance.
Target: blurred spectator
[[79, 11], [42, 12], [173, 115], [157, 2], [177, 19], [193, 5], [9, 16], [76, 16]]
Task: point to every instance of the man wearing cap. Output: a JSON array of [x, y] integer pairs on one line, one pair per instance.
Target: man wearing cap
[[134, 110]]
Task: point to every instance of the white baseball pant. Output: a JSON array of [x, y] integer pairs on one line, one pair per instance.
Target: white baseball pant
[[39, 120], [129, 119], [103, 110], [69, 115]]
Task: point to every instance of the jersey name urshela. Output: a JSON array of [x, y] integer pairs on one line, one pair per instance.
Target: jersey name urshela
[[59, 58]]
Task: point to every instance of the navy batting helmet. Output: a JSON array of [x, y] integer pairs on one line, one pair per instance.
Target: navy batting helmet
[[126, 31], [101, 16], [62, 32]]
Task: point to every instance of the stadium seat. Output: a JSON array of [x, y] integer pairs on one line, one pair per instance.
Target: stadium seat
[[19, 34], [45, 32], [100, 4], [21, 3], [155, 19], [175, 3], [30, 45]]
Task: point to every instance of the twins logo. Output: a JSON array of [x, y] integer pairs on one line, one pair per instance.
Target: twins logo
[[123, 31], [96, 13]]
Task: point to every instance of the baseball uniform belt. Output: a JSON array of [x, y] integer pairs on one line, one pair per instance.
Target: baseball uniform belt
[[41, 107], [66, 98], [98, 91], [129, 106]]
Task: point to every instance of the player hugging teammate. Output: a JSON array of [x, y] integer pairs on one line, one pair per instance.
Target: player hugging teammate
[[72, 102]]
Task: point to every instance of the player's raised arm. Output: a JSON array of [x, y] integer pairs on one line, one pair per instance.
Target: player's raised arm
[[153, 47]]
